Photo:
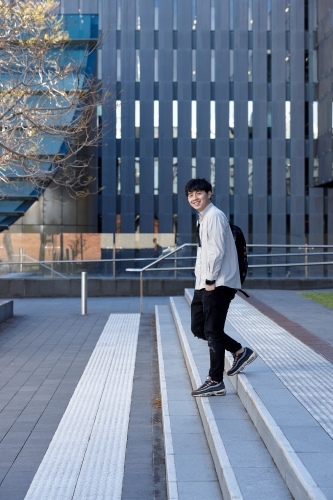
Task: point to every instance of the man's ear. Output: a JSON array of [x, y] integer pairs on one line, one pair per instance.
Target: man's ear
[[210, 194]]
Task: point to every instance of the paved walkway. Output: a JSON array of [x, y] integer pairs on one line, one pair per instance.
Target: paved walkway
[[44, 351]]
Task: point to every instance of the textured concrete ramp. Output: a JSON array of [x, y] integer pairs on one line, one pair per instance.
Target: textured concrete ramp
[[85, 459]]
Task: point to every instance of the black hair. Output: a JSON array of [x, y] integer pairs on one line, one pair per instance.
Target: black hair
[[197, 185]]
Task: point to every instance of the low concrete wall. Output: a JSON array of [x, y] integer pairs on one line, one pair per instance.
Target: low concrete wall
[[27, 287], [6, 310]]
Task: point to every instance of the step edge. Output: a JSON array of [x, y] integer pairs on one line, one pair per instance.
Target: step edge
[[170, 467], [227, 479]]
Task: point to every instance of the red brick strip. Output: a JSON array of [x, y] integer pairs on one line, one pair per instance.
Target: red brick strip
[[310, 339]]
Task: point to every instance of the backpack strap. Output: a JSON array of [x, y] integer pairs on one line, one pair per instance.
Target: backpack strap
[[244, 293]]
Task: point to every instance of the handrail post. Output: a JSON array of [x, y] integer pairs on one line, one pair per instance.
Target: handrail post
[[306, 270], [141, 293], [21, 259], [114, 261], [84, 293]]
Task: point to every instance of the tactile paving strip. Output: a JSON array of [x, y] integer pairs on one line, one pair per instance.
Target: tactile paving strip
[[307, 375], [85, 459]]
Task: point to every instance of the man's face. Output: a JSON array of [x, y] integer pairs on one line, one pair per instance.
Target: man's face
[[199, 199]]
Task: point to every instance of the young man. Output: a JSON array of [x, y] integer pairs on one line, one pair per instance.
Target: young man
[[217, 281]]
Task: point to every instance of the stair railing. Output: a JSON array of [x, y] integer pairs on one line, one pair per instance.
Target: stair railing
[[149, 266]]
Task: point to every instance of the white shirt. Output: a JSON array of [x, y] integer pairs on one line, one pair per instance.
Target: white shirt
[[217, 257]]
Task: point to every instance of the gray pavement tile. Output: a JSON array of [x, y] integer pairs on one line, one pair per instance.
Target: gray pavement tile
[[184, 407], [195, 444], [241, 431], [255, 452], [328, 492], [190, 423], [202, 490], [266, 485], [317, 463], [308, 438], [197, 467]]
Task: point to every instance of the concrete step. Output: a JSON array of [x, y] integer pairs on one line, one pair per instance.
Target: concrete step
[[233, 439], [190, 472], [295, 424]]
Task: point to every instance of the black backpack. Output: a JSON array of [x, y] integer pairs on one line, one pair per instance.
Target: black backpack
[[241, 251]]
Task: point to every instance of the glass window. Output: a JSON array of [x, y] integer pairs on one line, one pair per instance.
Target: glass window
[[175, 119], [194, 14], [269, 66], [250, 118], [315, 170], [288, 120], [118, 14], [175, 175], [137, 66], [212, 172], [194, 168], [231, 14], [174, 14], [250, 65], [212, 120], [288, 67], [250, 176], [156, 15], [194, 66], [287, 11], [118, 176], [137, 119], [269, 15], [231, 176], [137, 14], [174, 73], [155, 175], [315, 119], [231, 65], [314, 66], [212, 66], [155, 65], [269, 120], [194, 119], [137, 175], [231, 119], [118, 65], [212, 15], [156, 119], [250, 14], [288, 176], [118, 119]]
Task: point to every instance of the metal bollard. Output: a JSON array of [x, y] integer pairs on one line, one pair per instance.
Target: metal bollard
[[84, 293]]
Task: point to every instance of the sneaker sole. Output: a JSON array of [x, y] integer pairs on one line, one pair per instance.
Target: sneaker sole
[[253, 356], [212, 393]]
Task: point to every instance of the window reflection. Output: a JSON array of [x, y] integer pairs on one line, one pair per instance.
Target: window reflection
[[287, 107], [137, 175], [231, 119], [231, 175], [118, 119], [194, 120]]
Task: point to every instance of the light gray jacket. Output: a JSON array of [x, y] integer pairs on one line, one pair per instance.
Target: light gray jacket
[[217, 257]]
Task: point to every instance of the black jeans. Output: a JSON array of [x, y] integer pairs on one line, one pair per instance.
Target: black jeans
[[208, 315]]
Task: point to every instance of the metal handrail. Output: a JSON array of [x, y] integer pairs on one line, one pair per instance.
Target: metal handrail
[[288, 264], [141, 271], [21, 255]]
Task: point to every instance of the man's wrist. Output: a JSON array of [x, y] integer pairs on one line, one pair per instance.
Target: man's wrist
[[210, 282]]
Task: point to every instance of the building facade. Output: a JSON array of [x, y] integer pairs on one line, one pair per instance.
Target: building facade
[[236, 91]]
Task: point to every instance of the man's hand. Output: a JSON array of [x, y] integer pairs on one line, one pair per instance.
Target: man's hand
[[210, 288]]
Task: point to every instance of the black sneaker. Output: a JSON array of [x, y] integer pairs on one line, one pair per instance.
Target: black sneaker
[[210, 388], [241, 360]]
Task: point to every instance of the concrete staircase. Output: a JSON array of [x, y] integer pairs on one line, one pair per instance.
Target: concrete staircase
[[270, 437]]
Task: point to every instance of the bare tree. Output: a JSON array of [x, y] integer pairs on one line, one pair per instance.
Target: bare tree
[[48, 101]]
